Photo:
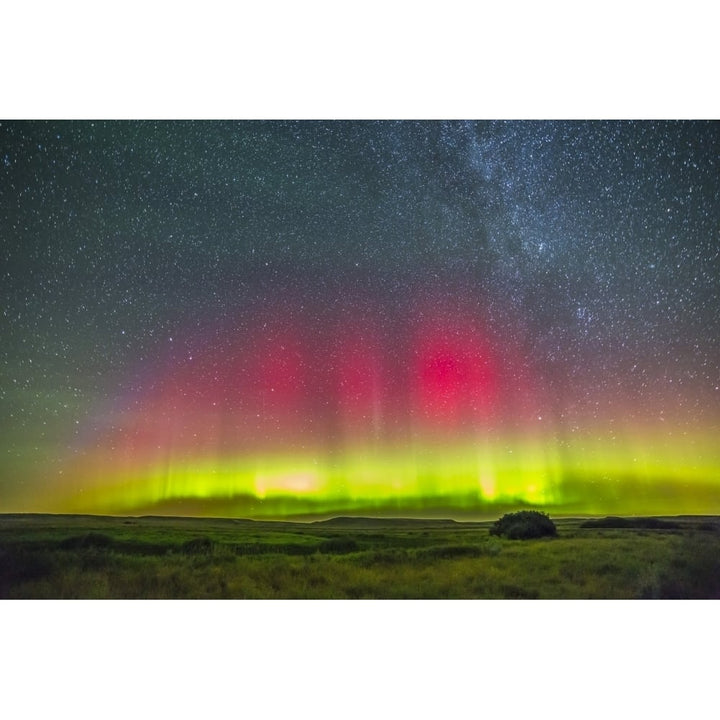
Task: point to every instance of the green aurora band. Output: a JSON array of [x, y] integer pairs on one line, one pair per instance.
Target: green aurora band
[[469, 479]]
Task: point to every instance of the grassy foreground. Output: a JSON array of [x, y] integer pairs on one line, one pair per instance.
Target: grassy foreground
[[105, 557]]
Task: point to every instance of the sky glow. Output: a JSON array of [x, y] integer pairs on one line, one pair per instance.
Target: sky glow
[[277, 319]]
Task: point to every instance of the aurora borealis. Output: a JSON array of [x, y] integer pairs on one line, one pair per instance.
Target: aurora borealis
[[299, 319]]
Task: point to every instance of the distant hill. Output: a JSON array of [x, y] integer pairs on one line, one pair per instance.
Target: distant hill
[[358, 522], [646, 523]]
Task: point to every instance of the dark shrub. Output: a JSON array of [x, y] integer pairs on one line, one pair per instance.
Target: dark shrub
[[19, 565], [89, 540], [293, 549], [338, 546], [198, 546], [515, 592], [272, 549], [139, 547], [707, 526], [524, 525], [694, 573]]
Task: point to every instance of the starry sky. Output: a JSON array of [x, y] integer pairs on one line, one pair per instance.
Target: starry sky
[[300, 319]]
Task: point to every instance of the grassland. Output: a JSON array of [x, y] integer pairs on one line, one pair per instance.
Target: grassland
[[43, 556]]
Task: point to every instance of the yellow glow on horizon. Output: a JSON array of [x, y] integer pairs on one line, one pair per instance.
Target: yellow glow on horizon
[[587, 473]]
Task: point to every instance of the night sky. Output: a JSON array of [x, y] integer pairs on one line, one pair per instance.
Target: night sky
[[298, 319]]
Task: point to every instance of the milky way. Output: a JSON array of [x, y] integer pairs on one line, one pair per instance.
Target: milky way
[[275, 319]]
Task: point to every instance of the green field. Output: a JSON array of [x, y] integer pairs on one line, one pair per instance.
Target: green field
[[46, 556]]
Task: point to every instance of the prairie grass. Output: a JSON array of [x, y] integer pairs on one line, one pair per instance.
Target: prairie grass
[[159, 558]]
